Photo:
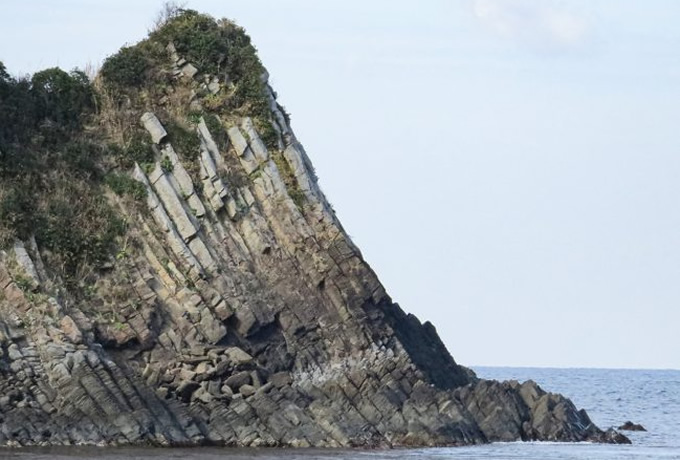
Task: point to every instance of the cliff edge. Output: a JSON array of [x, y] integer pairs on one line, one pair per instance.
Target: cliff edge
[[172, 274]]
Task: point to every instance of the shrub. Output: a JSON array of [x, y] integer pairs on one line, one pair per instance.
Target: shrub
[[137, 150], [128, 67], [50, 171], [196, 37], [219, 48], [217, 130], [17, 212], [166, 164], [61, 97], [289, 179], [17, 110], [267, 133], [184, 141], [4, 76], [82, 157], [124, 185], [78, 225]]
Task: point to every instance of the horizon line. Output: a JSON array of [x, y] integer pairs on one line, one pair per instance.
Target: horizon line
[[473, 366]]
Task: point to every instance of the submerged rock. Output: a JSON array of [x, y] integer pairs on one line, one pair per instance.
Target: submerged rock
[[630, 426]]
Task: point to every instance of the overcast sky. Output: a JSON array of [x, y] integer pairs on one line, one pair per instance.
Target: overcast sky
[[510, 168]]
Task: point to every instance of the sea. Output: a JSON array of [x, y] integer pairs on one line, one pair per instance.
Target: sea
[[611, 397]]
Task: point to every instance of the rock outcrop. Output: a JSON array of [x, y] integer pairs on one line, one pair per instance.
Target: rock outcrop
[[630, 426], [238, 312]]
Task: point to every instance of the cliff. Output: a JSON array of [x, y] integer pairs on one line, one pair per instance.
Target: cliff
[[172, 274]]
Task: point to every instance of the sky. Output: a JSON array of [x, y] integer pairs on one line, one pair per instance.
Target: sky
[[509, 168]]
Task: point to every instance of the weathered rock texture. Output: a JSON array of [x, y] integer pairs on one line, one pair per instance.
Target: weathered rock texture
[[241, 313]]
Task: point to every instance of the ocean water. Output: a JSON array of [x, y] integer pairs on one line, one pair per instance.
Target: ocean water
[[648, 397]]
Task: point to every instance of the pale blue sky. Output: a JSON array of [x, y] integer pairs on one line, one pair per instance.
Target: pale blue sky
[[510, 168]]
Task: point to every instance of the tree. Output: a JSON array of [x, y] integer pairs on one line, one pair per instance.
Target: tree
[[61, 97]]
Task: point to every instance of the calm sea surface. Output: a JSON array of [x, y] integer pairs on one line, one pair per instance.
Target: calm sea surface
[[651, 398]]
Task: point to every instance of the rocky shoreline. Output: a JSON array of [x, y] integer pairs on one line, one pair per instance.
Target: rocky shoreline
[[238, 313]]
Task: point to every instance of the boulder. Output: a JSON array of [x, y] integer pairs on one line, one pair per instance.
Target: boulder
[[154, 127], [239, 379], [236, 356], [70, 329], [630, 426], [247, 390], [280, 379], [189, 70], [26, 263], [255, 142]]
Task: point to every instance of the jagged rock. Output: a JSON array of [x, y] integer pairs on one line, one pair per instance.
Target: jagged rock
[[188, 70], [507, 411], [611, 436], [246, 390], [630, 426], [186, 389], [280, 379], [173, 205], [238, 380], [26, 263], [237, 356], [214, 86], [238, 312], [204, 368], [70, 329], [255, 143], [154, 127]]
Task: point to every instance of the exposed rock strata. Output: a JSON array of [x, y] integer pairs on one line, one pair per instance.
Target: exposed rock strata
[[242, 314]]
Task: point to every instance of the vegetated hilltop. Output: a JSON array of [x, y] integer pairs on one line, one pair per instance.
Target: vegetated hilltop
[[171, 274]]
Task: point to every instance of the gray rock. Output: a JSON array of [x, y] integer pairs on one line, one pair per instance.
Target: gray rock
[[237, 140], [214, 86], [26, 263], [71, 329], [171, 202], [255, 143], [238, 380], [237, 356], [189, 71], [154, 127], [630, 426], [246, 390], [280, 379]]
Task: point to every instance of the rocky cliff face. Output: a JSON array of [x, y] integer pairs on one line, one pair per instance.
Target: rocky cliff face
[[234, 309]]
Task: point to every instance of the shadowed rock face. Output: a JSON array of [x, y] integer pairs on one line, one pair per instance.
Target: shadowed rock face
[[241, 314]]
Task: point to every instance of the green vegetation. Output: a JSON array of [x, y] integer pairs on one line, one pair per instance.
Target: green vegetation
[[61, 97], [166, 164], [124, 185], [216, 47], [292, 186], [137, 150], [50, 173], [184, 140], [267, 133], [65, 142], [217, 130], [128, 67], [78, 226]]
